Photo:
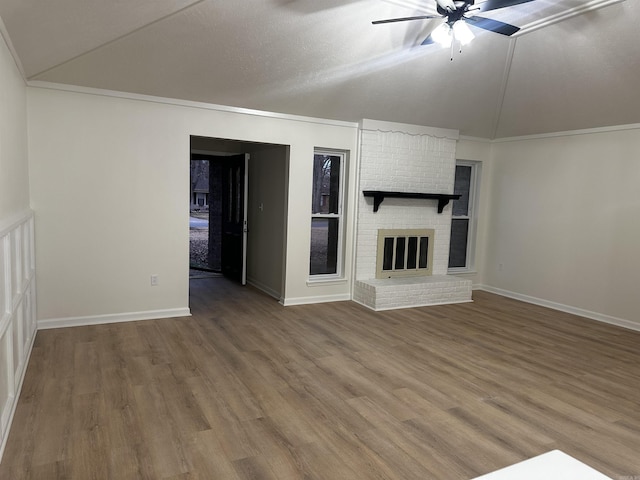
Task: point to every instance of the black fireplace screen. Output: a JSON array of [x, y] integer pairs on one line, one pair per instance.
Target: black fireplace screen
[[405, 253]]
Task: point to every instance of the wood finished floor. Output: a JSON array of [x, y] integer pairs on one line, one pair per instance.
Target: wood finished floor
[[248, 389]]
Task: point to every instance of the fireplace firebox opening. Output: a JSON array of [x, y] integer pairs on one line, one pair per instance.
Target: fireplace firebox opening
[[404, 252]]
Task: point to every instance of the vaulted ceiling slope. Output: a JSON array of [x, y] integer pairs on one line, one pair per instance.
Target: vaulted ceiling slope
[[324, 58]]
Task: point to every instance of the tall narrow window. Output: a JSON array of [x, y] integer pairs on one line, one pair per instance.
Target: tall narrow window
[[326, 214], [463, 220]]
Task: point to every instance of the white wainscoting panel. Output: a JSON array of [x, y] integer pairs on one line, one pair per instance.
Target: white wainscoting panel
[[17, 312]]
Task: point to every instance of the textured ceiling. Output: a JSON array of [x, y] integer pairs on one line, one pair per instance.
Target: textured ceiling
[[324, 58]]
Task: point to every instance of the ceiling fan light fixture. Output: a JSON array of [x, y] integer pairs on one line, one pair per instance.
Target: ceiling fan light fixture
[[443, 35], [462, 32]]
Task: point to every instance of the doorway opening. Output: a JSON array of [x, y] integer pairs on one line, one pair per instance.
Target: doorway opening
[[237, 211], [218, 214], [204, 246]]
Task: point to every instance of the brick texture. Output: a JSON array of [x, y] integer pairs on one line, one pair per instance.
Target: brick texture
[[397, 161], [390, 293], [403, 162]]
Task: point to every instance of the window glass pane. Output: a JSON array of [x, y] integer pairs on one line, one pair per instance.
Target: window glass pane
[[458, 248], [462, 187], [326, 184], [324, 246]]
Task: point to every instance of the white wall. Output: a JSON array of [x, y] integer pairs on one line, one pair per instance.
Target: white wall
[[267, 218], [564, 223], [17, 288], [14, 170], [110, 188]]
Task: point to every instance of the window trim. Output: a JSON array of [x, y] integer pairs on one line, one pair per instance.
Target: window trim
[[472, 216], [339, 275]]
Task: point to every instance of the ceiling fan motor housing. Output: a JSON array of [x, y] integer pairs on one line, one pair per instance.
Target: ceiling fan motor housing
[[455, 14]]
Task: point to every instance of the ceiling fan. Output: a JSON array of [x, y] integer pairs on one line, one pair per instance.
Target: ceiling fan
[[457, 15]]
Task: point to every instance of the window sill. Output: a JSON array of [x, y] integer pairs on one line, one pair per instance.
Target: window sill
[[323, 282], [462, 271]]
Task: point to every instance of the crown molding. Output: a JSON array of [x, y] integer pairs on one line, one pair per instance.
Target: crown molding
[[559, 17], [570, 133], [185, 103]]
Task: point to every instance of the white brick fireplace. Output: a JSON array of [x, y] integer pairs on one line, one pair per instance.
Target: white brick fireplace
[[414, 159]]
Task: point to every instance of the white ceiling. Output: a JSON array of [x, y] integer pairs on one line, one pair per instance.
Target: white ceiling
[[324, 58]]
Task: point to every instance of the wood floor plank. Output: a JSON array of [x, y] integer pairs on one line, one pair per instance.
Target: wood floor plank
[[248, 389]]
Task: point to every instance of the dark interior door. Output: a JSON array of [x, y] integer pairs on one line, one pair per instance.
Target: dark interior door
[[234, 220]]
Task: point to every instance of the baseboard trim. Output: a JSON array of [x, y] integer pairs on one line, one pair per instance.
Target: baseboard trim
[[600, 317], [264, 288], [112, 318], [287, 302]]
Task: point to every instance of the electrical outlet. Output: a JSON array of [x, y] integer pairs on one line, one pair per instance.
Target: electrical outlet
[[499, 267], [154, 280]]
